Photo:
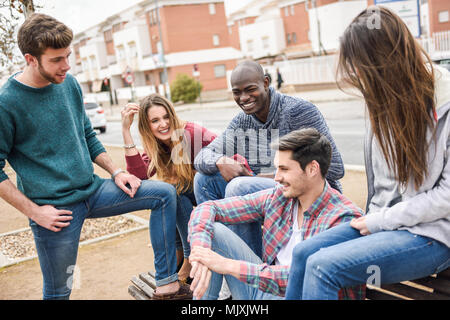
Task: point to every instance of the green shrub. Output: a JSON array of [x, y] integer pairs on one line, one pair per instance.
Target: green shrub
[[185, 89]]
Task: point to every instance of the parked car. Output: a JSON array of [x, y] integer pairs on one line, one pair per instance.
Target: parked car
[[97, 115], [443, 63]]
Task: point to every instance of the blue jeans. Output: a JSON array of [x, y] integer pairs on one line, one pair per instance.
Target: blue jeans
[[185, 205], [340, 257], [214, 187], [226, 243], [57, 251]]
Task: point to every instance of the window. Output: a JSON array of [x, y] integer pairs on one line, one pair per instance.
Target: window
[[220, 71], [286, 11], [133, 50], [292, 10], [121, 53], [216, 40], [212, 8], [443, 16], [265, 42], [288, 38], [294, 37], [249, 45], [92, 62], [107, 35]]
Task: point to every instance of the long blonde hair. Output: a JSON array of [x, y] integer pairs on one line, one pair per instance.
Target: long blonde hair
[[175, 166], [395, 76]]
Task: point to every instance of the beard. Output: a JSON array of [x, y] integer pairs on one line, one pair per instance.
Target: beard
[[47, 76]]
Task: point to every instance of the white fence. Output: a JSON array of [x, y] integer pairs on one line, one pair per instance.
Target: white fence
[[437, 46], [323, 69], [309, 70]]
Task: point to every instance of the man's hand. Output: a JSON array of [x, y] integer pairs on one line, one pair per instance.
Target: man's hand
[[51, 218], [360, 224], [201, 276], [204, 261], [123, 178], [230, 168]]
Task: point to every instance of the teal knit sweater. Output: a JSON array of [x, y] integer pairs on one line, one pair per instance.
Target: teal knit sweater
[[48, 140]]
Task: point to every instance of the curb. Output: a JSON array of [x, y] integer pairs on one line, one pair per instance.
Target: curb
[[209, 106], [6, 261]]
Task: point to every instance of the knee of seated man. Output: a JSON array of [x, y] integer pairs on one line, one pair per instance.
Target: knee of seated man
[[237, 187]]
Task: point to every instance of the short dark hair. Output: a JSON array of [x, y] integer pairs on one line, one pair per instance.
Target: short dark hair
[[41, 31], [307, 145]]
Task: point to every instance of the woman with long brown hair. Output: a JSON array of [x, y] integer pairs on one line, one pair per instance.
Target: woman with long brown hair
[[405, 233], [170, 146]]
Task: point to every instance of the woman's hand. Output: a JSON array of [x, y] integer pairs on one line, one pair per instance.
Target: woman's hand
[[360, 224], [128, 113]]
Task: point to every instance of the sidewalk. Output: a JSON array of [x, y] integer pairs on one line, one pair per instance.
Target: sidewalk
[[314, 96]]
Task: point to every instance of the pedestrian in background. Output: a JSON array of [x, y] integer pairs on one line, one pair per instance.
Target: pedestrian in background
[[279, 79], [405, 234]]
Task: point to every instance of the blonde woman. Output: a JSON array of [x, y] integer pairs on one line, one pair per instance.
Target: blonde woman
[[170, 146]]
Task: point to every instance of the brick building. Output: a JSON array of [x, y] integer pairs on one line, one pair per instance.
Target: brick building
[[143, 41]]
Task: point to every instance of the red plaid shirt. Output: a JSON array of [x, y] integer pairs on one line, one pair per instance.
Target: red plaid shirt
[[275, 211]]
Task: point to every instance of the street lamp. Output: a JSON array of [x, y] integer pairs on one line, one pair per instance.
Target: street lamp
[[166, 78]]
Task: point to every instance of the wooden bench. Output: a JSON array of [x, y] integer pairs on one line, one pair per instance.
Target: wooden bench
[[434, 287], [142, 286]]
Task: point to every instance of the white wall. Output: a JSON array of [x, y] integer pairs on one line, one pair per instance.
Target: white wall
[[333, 18], [273, 29]]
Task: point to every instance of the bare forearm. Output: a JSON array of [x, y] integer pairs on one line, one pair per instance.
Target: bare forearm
[[128, 141], [13, 196], [104, 161]]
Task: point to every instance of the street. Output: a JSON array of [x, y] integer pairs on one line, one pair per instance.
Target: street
[[345, 120]]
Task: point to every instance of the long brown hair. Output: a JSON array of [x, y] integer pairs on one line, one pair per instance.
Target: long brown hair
[[173, 165], [396, 79]]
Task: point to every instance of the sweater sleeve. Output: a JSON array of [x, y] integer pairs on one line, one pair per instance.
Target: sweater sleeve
[[95, 147], [223, 145], [6, 141], [138, 165], [425, 207]]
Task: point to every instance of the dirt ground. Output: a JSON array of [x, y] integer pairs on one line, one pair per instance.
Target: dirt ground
[[105, 268]]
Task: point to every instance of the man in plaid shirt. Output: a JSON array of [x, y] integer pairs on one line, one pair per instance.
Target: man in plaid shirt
[[301, 204]]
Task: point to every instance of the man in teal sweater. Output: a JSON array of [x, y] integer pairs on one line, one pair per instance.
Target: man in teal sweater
[[48, 140]]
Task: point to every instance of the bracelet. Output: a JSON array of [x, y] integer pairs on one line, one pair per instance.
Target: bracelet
[[129, 146], [115, 173]]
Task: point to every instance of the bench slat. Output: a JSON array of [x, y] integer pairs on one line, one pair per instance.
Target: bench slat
[[149, 280], [374, 294], [439, 285], [411, 292], [137, 294], [143, 286]]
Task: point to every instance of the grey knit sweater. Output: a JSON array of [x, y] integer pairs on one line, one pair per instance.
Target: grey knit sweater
[[251, 138]]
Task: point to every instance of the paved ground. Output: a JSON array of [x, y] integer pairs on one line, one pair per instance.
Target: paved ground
[[107, 266]]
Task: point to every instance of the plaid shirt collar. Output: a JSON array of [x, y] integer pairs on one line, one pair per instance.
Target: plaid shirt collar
[[281, 226]]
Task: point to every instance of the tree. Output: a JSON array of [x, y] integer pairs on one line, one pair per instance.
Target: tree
[[11, 12], [185, 89]]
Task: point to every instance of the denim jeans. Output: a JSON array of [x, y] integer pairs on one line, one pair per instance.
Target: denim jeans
[[57, 251], [185, 205], [213, 187], [340, 257], [229, 245]]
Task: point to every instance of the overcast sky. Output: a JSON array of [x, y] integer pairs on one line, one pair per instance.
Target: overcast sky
[[82, 14]]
